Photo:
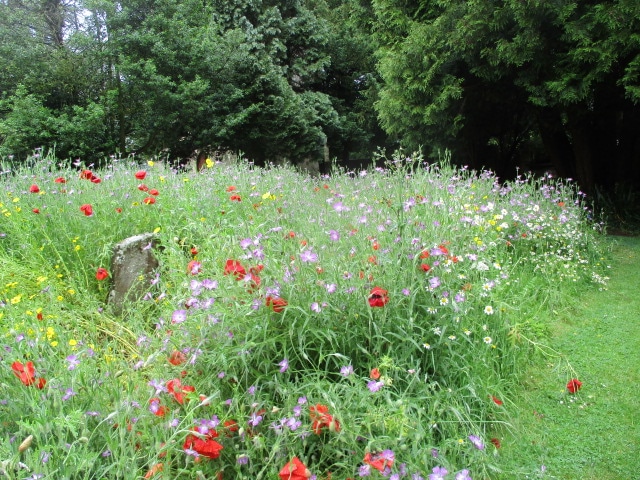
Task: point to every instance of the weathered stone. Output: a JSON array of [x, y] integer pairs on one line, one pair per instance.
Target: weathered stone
[[132, 267]]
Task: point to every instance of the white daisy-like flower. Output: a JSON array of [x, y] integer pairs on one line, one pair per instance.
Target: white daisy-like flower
[[488, 310], [487, 340]]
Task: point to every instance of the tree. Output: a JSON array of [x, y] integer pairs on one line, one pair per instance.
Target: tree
[[272, 79], [484, 77]]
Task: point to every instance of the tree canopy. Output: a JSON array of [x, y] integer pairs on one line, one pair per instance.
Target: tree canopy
[[271, 79], [496, 81]]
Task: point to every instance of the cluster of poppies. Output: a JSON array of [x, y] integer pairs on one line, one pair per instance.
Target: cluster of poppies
[[89, 175], [320, 418], [177, 390], [235, 197], [150, 200], [26, 373], [381, 461]]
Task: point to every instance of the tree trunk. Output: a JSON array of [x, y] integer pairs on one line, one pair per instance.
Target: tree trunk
[[583, 154], [556, 143]]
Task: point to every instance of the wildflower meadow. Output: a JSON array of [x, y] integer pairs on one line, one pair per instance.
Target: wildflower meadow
[[361, 324]]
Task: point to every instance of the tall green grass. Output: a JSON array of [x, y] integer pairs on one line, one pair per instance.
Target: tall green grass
[[421, 369]]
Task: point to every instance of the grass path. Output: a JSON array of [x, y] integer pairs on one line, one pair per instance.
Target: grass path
[[596, 433]]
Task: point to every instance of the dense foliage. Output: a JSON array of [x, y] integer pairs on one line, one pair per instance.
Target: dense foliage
[[360, 325]]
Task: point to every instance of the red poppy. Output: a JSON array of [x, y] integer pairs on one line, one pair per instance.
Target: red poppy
[[321, 418], [143, 188], [36, 210], [425, 267], [424, 254], [496, 400], [378, 297], [86, 175], [374, 374], [95, 180], [496, 442], [177, 358], [118, 210], [294, 470], [194, 251], [60, 180], [193, 267], [235, 268], [574, 385], [149, 200], [154, 192], [254, 282], [34, 188], [157, 468], [231, 188], [101, 274], [375, 245], [276, 304], [231, 426], [26, 373], [39, 316], [140, 174], [204, 445], [178, 390], [378, 461], [40, 383], [87, 209], [235, 198], [443, 249]]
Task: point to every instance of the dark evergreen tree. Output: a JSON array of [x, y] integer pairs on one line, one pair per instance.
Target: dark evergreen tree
[[491, 80]]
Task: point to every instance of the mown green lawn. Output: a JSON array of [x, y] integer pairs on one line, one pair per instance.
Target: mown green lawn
[[594, 434]]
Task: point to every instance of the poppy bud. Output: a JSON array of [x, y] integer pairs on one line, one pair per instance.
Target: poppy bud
[[26, 443]]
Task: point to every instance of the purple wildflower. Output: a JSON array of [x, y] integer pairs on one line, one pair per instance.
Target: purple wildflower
[[179, 316], [68, 393], [284, 365], [254, 420], [158, 385], [346, 370], [463, 475], [476, 441], [73, 362], [364, 471], [209, 284], [309, 256], [439, 473], [374, 385]]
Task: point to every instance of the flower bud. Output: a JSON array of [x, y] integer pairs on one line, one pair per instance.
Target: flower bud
[[26, 443]]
